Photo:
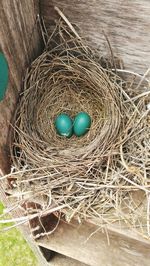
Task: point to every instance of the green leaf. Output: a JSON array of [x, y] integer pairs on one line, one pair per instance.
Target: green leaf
[[3, 76]]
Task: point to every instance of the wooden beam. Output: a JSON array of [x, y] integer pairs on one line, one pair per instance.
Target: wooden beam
[[20, 43], [61, 260], [126, 23], [89, 245]]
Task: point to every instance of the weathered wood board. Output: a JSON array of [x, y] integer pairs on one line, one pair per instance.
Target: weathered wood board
[[126, 23], [61, 260], [20, 43], [89, 245]]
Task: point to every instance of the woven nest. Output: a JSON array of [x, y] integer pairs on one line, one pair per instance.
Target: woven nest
[[98, 175]]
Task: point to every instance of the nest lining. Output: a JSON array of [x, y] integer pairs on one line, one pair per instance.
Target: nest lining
[[97, 175]]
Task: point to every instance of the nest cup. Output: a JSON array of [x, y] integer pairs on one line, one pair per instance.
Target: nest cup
[[79, 177]]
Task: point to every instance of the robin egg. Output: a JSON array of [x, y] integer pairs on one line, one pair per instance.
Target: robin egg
[[82, 123], [64, 125]]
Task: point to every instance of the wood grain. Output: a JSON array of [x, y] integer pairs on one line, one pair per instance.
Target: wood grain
[[126, 23], [87, 244], [61, 260], [20, 42]]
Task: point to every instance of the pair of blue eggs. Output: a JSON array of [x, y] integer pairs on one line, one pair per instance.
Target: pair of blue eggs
[[66, 127]]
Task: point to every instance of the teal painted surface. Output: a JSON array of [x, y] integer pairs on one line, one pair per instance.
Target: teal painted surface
[[64, 125], [3, 76], [82, 124]]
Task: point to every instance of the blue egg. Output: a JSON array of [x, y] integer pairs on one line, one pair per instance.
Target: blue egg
[[64, 125], [82, 123]]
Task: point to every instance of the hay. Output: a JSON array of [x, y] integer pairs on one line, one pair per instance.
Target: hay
[[95, 176]]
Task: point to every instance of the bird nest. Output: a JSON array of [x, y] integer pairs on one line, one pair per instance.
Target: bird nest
[[98, 175]]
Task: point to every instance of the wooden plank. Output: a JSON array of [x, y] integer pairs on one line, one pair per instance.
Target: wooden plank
[[126, 23], [88, 245], [20, 42], [61, 260]]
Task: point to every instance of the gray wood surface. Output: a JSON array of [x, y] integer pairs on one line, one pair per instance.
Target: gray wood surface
[[89, 245], [61, 260], [20, 42], [126, 23]]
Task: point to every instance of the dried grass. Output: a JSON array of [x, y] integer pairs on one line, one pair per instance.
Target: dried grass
[[103, 175]]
